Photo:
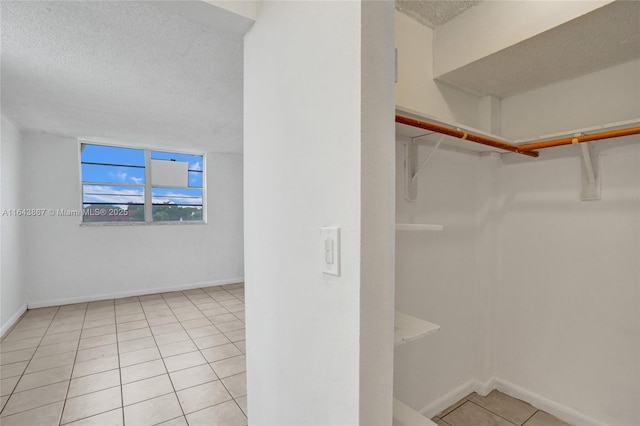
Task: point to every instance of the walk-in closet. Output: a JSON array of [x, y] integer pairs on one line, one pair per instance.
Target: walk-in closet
[[518, 211]]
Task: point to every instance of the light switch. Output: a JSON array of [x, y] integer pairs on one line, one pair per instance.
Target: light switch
[[331, 250], [328, 251]]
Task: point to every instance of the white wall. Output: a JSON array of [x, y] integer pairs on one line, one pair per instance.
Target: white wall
[[308, 106], [247, 9], [599, 98], [68, 262], [567, 300], [495, 25], [377, 260], [531, 286], [13, 293], [416, 90], [437, 277], [443, 277]]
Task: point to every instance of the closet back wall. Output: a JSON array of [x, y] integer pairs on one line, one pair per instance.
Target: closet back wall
[[567, 300], [567, 322], [72, 263]]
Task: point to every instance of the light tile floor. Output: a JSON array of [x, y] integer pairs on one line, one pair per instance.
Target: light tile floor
[[495, 409], [172, 359]]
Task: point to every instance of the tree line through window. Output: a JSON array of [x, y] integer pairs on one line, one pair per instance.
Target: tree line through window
[[136, 185]]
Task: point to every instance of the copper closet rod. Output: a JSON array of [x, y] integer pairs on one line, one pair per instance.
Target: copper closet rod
[[524, 149], [579, 139]]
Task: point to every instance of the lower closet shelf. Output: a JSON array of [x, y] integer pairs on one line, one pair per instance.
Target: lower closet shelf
[[408, 328], [403, 415]]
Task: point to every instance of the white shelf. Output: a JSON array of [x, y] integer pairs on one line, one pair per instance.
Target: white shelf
[[403, 415], [418, 227], [456, 143], [408, 328], [585, 130]]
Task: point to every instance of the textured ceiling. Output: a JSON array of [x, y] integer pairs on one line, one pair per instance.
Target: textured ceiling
[[434, 13], [125, 71], [600, 39]]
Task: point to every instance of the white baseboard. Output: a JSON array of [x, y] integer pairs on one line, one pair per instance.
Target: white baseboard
[[562, 412], [483, 389], [141, 292], [452, 397], [12, 321]]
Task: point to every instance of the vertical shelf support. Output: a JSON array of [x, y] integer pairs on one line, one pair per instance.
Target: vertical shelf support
[[411, 169], [590, 174], [410, 160]]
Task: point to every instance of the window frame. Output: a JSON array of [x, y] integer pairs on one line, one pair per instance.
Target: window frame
[[148, 187]]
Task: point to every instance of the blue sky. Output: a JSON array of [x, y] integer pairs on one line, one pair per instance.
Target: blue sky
[[120, 176]]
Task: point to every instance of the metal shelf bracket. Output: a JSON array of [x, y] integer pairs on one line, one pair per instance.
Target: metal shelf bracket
[[411, 169], [590, 174]]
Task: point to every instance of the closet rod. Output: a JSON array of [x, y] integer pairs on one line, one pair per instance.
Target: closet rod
[[580, 138], [457, 133]]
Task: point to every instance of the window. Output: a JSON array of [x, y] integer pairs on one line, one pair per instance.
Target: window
[[137, 185], [176, 188]]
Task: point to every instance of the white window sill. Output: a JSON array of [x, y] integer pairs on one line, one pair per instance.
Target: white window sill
[[99, 224]]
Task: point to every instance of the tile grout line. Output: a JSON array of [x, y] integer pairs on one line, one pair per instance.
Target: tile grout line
[[207, 298], [442, 420], [486, 409], [6, 333], [64, 405], [100, 372], [206, 408], [233, 343], [27, 366], [200, 350], [119, 363], [36, 372], [222, 332], [197, 347], [148, 399], [529, 418], [153, 336]]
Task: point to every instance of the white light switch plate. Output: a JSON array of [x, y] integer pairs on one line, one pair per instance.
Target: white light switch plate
[[331, 250]]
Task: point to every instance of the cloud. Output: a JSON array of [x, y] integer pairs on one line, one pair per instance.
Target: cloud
[[112, 194], [177, 198], [122, 196], [195, 181], [120, 175], [136, 180], [196, 166]]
